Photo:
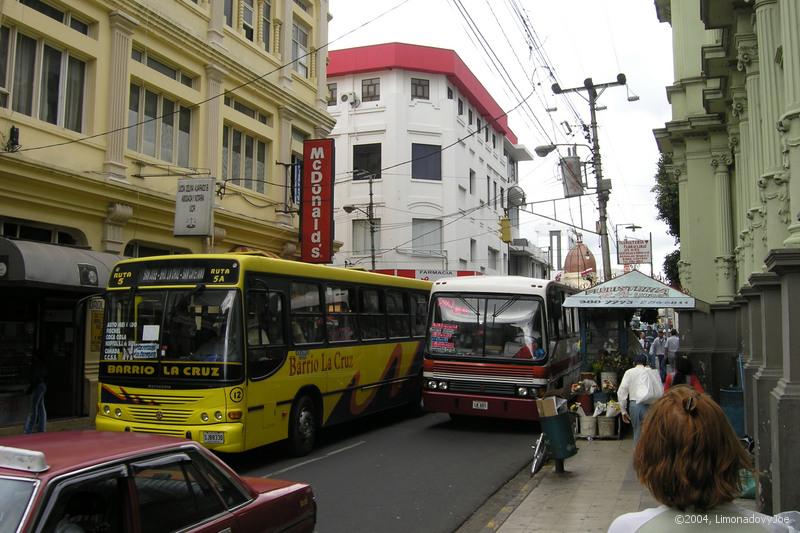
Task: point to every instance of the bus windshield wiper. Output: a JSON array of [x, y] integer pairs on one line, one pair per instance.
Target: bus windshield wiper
[[505, 306], [470, 306]]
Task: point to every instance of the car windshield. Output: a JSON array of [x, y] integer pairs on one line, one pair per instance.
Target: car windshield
[[14, 497], [504, 327], [173, 325]]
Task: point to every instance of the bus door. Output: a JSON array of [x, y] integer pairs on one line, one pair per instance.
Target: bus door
[[267, 349]]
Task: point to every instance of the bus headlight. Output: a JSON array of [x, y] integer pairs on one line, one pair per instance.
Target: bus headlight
[[522, 391], [118, 412], [442, 385], [106, 410], [204, 417], [432, 384], [218, 415]]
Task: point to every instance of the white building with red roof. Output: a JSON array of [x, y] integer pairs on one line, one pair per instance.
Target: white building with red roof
[[441, 158]]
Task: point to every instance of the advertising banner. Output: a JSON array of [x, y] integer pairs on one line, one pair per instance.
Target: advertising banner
[[316, 206], [194, 207], [633, 252]]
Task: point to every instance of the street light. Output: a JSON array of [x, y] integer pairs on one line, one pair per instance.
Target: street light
[[633, 227], [349, 209]]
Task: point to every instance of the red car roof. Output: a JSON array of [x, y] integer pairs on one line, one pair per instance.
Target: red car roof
[[67, 451]]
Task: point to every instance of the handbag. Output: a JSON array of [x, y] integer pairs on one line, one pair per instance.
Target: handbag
[[651, 384]]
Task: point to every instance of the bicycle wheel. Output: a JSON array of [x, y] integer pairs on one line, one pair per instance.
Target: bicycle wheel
[[539, 455]]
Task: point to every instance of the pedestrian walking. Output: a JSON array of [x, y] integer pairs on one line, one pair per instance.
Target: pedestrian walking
[[690, 460], [673, 344], [657, 350], [639, 386], [37, 417], [683, 375]]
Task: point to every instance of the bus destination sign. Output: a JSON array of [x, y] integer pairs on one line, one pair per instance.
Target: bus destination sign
[[175, 272]]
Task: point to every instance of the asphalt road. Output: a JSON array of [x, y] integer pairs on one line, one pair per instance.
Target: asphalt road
[[399, 473]]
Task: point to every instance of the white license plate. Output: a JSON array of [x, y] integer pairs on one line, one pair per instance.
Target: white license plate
[[477, 404], [213, 437]]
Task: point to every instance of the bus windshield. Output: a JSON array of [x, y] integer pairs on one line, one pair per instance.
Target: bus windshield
[[497, 326], [173, 325]]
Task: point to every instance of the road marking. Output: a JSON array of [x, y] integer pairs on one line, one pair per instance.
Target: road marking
[[298, 465]]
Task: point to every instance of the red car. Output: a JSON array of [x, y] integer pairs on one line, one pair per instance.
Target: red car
[[98, 482]]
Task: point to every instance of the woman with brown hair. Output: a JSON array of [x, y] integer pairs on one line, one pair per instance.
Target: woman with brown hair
[[689, 458]]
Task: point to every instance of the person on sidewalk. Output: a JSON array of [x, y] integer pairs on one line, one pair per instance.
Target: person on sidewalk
[[671, 347], [632, 389], [37, 417], [657, 350], [683, 375], [689, 458]]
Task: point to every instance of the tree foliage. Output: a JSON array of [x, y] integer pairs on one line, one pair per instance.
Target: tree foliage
[[666, 190], [671, 268]]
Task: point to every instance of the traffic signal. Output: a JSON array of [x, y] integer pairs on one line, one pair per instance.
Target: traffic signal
[[505, 229]]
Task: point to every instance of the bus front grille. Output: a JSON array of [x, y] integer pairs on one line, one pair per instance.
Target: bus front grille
[[157, 415], [499, 389], [160, 431]]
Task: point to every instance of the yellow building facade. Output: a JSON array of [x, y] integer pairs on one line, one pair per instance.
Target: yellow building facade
[[104, 106]]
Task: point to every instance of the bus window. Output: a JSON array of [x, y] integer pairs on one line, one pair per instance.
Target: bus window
[[264, 318], [306, 314], [419, 315], [372, 319], [275, 318], [340, 320], [397, 311]]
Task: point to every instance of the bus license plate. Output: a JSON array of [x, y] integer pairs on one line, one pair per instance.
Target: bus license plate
[[477, 404], [213, 437]]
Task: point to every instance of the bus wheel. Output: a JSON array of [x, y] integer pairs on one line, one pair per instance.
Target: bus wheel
[[302, 426]]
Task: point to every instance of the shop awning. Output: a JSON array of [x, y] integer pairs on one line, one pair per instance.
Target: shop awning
[[50, 264], [631, 290]]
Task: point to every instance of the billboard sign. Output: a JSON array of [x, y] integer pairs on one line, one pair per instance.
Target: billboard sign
[[316, 206], [194, 207], [633, 252]]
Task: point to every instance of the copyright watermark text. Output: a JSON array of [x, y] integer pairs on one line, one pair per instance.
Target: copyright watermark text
[[682, 519]]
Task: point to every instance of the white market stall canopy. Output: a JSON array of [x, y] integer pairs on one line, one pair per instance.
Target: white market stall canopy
[[631, 290]]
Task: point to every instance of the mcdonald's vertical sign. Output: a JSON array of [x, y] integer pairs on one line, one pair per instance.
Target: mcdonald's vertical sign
[[316, 206]]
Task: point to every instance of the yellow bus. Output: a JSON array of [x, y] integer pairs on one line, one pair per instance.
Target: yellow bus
[[239, 350]]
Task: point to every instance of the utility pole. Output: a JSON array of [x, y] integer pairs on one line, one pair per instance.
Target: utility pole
[[603, 186], [370, 214]]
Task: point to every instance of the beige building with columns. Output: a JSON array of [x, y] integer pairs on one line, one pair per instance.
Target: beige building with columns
[[104, 105], [734, 144]]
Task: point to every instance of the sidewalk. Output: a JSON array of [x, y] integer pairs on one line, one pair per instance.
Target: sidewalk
[[599, 485]]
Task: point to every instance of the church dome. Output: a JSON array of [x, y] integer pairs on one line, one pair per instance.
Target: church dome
[[579, 258]]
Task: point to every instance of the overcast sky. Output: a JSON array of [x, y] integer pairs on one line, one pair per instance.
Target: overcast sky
[[581, 39]]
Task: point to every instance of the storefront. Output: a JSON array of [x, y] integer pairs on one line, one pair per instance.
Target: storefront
[[46, 290]]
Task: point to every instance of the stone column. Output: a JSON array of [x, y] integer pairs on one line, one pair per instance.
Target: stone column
[[720, 162], [766, 378], [678, 170], [744, 173], [122, 27], [212, 145], [754, 357], [321, 62], [117, 215], [284, 153], [785, 398], [790, 121], [287, 23], [775, 198], [216, 23]]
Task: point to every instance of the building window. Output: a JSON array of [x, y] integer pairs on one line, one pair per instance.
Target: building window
[[362, 240], [300, 50], [158, 126], [479, 129], [331, 94], [493, 255], [460, 107], [494, 196], [486, 133], [449, 93], [426, 235], [420, 89], [471, 181], [426, 161], [56, 13], [488, 190], [251, 112], [228, 9], [38, 68], [248, 18], [469, 116], [494, 141], [462, 264], [370, 89], [142, 249], [266, 23], [502, 198], [244, 159], [367, 161], [302, 5], [473, 250], [162, 66]]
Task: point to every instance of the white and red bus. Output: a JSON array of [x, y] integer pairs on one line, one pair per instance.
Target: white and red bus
[[496, 343]]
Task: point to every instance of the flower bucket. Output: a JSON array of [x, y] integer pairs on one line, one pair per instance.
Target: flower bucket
[[589, 426], [606, 426]]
